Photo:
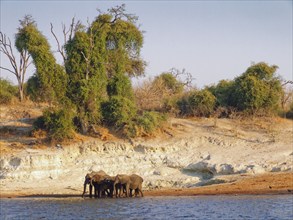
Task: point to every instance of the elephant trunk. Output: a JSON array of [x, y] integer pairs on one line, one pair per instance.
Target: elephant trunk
[[86, 181], [84, 189]]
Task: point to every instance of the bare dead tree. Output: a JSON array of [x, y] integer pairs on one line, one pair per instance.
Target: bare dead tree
[[18, 68], [68, 34], [188, 79], [287, 95]]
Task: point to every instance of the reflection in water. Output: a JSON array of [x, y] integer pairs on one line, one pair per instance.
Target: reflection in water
[[195, 207]]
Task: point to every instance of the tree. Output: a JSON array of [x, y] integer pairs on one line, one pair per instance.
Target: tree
[[19, 67], [170, 82], [257, 89], [51, 76], [99, 61], [162, 92], [68, 34], [287, 95]]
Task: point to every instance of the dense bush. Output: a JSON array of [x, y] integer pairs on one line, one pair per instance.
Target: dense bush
[[57, 122], [223, 92], [32, 89], [258, 89], [7, 91], [197, 103], [145, 125], [118, 111], [170, 83], [150, 121]]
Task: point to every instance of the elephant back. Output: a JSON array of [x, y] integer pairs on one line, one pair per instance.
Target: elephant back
[[136, 178], [93, 173], [100, 172], [98, 178], [122, 178]]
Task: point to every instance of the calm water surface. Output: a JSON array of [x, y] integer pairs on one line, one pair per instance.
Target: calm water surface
[[195, 207]]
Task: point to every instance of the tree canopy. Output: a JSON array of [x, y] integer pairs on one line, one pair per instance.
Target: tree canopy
[[258, 88], [51, 76]]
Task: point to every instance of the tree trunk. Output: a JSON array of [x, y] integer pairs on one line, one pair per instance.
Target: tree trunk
[[21, 96], [20, 89]]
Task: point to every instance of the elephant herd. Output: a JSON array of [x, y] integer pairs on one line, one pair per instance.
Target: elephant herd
[[108, 186]]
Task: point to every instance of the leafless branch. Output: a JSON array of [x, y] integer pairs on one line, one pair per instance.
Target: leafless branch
[[60, 48], [1, 67], [118, 12], [188, 76], [67, 35], [287, 82], [18, 70]]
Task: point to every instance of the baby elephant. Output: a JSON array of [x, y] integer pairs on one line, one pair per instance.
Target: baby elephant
[[132, 182]]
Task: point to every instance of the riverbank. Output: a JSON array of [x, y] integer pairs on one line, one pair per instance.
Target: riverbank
[[272, 183], [183, 160], [264, 184]]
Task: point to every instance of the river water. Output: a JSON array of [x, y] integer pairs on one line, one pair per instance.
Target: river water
[[193, 207]]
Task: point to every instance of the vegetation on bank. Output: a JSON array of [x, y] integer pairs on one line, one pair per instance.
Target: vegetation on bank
[[93, 86]]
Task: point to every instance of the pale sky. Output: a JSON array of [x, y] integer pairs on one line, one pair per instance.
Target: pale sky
[[212, 40]]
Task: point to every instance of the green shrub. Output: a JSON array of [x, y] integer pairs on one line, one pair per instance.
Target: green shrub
[[57, 122], [118, 111], [197, 103], [170, 105], [170, 83], [7, 91], [257, 89], [145, 125], [33, 89], [223, 92], [150, 121]]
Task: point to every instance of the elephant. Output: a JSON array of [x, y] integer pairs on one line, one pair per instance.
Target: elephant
[[119, 188], [104, 185], [136, 185], [132, 182], [87, 181]]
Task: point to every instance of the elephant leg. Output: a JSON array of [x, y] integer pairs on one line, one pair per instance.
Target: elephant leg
[[123, 189], [111, 193], [140, 192], [130, 192], [107, 192], [116, 190], [91, 191], [99, 193], [127, 189], [96, 192], [120, 189], [136, 192]]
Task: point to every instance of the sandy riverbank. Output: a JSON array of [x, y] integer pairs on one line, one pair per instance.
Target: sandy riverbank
[[264, 184]]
